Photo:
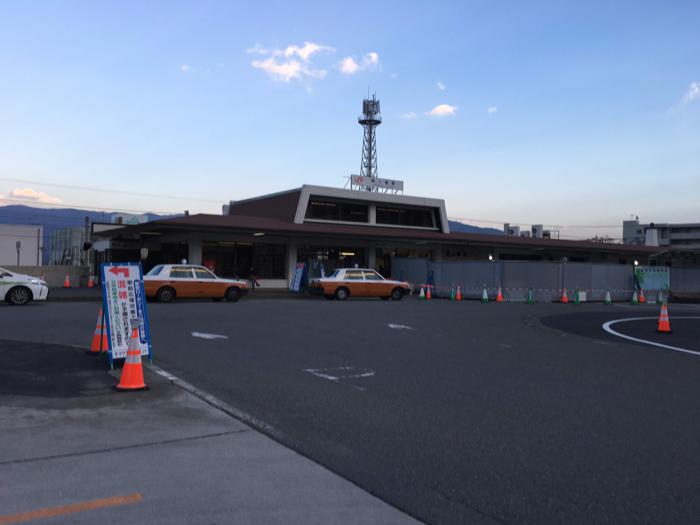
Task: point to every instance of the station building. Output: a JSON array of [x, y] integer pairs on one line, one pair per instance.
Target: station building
[[332, 228]]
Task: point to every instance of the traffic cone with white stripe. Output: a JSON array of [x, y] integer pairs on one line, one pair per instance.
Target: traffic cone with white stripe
[[642, 299], [635, 299], [91, 282], [66, 281], [660, 298], [428, 294], [577, 297], [664, 322], [421, 295], [452, 294], [530, 296], [608, 299], [458, 296], [132, 373], [484, 296], [99, 338], [499, 296], [564, 296]]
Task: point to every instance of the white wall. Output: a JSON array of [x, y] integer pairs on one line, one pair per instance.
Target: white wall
[[31, 239]]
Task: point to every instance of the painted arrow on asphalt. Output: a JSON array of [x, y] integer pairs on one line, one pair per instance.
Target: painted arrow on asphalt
[[204, 335], [400, 327]]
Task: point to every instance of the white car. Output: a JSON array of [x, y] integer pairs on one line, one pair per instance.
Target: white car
[[17, 288]]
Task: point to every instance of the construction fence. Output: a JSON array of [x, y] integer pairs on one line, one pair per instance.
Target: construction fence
[[545, 279]]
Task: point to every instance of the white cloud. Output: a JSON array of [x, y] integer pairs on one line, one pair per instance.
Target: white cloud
[[442, 110], [492, 109], [30, 195], [410, 114], [350, 66], [692, 94], [440, 86], [186, 68], [283, 64]]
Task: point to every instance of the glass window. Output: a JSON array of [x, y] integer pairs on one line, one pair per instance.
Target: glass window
[[203, 273], [422, 218], [337, 211], [156, 270], [181, 273], [373, 276], [270, 261], [353, 275]]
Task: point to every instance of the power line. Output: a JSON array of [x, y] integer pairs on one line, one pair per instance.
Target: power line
[[95, 208], [104, 190]]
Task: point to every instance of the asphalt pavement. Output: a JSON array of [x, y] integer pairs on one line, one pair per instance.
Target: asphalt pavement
[[73, 450], [451, 412]]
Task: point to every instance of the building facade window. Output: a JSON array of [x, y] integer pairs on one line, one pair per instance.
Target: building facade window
[[416, 217], [326, 210]]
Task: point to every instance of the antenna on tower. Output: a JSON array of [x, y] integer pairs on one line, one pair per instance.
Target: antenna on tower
[[369, 120]]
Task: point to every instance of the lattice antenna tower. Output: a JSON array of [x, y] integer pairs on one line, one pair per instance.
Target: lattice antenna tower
[[369, 120]]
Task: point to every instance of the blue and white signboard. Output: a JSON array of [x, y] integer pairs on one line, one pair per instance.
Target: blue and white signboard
[[124, 300], [297, 279]]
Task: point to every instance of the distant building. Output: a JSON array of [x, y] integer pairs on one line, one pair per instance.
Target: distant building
[[21, 245], [67, 247], [682, 236]]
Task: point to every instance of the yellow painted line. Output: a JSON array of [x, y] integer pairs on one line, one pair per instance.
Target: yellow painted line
[[52, 512]]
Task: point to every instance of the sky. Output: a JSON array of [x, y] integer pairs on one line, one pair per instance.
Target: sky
[[572, 114]]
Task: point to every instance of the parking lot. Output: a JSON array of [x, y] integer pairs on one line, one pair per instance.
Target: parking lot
[[452, 412]]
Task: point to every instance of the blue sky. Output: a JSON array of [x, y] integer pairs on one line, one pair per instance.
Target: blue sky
[[563, 113]]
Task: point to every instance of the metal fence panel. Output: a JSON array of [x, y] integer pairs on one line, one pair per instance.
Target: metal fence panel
[[685, 280]]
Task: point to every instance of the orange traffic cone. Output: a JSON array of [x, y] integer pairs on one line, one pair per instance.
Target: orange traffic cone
[[664, 322], [564, 297], [66, 281], [642, 299], [458, 297], [132, 373], [499, 296], [99, 338], [91, 282], [428, 295]]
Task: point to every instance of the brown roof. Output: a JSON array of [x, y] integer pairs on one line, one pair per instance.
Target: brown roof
[[272, 226], [281, 206]]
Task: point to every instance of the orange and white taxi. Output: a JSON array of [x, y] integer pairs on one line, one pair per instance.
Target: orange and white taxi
[[165, 282], [358, 282]]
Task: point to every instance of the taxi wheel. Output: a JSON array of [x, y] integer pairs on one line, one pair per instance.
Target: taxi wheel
[[396, 294], [19, 295], [165, 295], [233, 294], [342, 293]]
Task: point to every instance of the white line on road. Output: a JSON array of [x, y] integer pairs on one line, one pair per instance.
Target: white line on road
[[400, 327], [606, 327], [204, 335], [340, 372]]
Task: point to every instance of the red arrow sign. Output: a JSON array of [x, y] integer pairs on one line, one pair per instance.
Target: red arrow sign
[[116, 271]]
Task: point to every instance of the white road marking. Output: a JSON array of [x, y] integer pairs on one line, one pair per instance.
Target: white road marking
[[204, 335], [606, 327], [340, 372], [400, 327]]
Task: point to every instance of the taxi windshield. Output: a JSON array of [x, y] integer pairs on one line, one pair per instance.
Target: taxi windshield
[[155, 270]]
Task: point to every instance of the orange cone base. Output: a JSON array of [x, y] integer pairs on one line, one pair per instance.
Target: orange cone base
[[131, 389], [95, 347], [132, 378]]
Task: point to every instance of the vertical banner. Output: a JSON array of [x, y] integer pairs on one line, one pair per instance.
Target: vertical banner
[[124, 300], [295, 285]]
